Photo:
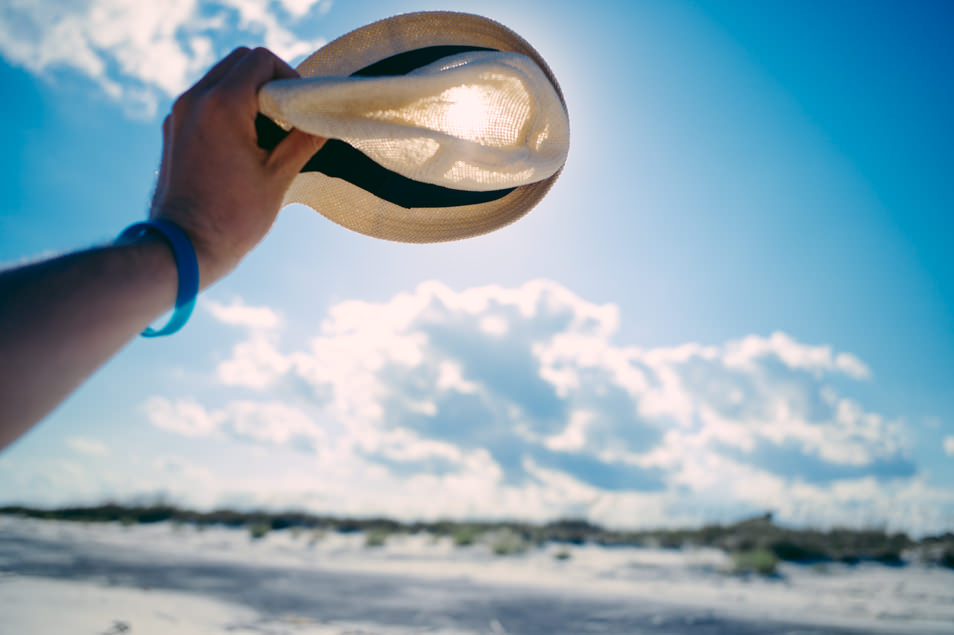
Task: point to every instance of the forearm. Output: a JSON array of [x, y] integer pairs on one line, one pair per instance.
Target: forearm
[[63, 318]]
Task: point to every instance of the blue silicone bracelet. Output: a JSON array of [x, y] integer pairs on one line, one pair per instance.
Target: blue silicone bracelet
[[187, 266]]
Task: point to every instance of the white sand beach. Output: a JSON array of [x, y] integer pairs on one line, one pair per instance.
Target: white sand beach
[[107, 578]]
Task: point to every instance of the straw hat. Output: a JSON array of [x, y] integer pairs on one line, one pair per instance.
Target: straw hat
[[441, 126]]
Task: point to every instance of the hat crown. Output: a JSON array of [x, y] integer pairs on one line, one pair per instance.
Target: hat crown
[[479, 121], [345, 185]]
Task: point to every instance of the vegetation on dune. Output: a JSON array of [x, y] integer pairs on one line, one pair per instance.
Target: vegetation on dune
[[507, 542], [760, 561], [466, 534], [258, 530], [756, 545], [947, 558], [376, 537]]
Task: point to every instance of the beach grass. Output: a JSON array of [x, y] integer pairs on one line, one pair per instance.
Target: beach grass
[[507, 542], [759, 535], [760, 561], [466, 535], [376, 537], [258, 530]]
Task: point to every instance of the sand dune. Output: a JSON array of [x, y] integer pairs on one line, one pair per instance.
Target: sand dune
[[159, 578]]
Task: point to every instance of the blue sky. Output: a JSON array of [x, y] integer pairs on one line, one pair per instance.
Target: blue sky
[[739, 296]]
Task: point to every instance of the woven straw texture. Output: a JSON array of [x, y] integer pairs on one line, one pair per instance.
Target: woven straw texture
[[527, 152], [479, 121]]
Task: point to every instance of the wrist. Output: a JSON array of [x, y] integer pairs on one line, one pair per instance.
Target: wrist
[[186, 263], [212, 266]]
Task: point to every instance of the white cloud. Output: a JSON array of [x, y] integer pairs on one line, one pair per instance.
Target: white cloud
[[240, 314], [255, 363], [748, 351], [517, 402], [185, 417], [949, 445], [268, 422], [141, 52], [573, 437], [91, 447], [275, 423]]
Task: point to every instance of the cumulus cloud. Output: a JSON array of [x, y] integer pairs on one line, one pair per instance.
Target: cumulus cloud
[[237, 313], [545, 382], [274, 422], [500, 401], [141, 52], [949, 445], [90, 447], [185, 417]]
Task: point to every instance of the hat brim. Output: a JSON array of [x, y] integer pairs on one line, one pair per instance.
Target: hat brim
[[359, 210]]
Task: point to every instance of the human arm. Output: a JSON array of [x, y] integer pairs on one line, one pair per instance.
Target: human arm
[[63, 318]]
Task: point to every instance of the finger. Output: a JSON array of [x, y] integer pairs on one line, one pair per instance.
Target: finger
[[261, 65], [220, 70], [291, 155], [283, 70], [166, 154], [162, 174]]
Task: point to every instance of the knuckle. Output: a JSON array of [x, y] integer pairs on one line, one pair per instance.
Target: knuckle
[[215, 100], [262, 54], [182, 104], [238, 54]]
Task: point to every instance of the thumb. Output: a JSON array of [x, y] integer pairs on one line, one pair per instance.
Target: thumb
[[291, 155]]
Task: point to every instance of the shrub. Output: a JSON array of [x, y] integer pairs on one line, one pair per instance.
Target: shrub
[[795, 551], [671, 540], [947, 558], [889, 557], [572, 530], [258, 530], [562, 554], [507, 542], [376, 537], [760, 561], [465, 535]]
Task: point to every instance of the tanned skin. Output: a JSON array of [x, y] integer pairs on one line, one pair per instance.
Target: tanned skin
[[61, 319]]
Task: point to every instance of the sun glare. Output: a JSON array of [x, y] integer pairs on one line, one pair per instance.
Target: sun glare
[[477, 113]]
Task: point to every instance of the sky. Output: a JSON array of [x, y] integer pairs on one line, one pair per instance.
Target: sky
[[738, 297]]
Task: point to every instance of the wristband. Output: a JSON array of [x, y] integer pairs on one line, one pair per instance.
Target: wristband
[[187, 266]]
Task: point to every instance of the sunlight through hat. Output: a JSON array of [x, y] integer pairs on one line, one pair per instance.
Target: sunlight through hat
[[441, 126]]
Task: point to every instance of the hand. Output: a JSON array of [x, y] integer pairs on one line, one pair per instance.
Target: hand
[[214, 181]]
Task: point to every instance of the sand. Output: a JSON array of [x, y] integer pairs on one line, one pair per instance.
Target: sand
[[101, 578]]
